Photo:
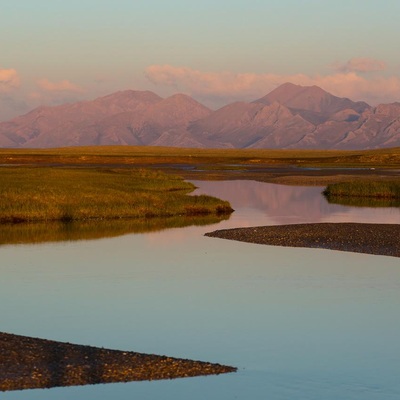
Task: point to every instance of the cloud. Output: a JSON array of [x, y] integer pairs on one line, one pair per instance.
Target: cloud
[[375, 90], [9, 80], [229, 86], [213, 83], [52, 98], [55, 93], [61, 86], [361, 65]]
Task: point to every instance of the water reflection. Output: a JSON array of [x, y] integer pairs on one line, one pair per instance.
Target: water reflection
[[258, 203], [363, 201], [37, 232], [299, 323]]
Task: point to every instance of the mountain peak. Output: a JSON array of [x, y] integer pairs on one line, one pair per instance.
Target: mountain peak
[[130, 95], [183, 99], [288, 92], [311, 102]]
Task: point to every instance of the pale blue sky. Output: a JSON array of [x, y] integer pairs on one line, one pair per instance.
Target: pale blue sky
[[101, 46]]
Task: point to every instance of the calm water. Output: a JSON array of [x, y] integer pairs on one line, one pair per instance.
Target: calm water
[[298, 323]]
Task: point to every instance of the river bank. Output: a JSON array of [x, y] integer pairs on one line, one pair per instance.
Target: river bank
[[30, 363], [378, 239]]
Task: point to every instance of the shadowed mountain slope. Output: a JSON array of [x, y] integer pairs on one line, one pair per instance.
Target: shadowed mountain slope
[[311, 102], [291, 116], [128, 117]]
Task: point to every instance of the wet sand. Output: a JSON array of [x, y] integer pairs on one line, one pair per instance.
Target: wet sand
[[378, 239], [29, 363]]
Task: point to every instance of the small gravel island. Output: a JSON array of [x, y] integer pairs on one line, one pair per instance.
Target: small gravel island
[[30, 363], [378, 239]]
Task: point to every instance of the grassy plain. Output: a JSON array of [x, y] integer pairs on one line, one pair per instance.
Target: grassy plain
[[70, 194], [137, 155], [294, 167]]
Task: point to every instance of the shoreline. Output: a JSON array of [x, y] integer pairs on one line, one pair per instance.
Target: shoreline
[[366, 238], [32, 363]]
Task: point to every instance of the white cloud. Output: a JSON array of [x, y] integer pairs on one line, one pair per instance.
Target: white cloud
[[61, 86], [16, 99], [9, 80], [213, 83], [361, 65], [249, 86]]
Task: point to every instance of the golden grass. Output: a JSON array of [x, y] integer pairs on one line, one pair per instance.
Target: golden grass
[[69, 194], [377, 189], [133, 155]]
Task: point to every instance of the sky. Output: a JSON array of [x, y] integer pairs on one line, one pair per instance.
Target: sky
[[217, 51]]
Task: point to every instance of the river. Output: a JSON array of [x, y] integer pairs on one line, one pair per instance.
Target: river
[[298, 323]]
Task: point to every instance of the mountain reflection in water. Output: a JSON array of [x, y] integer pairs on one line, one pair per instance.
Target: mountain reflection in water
[[259, 203], [256, 203]]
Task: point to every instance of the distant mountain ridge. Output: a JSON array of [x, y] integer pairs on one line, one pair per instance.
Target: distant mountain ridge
[[311, 102], [290, 116]]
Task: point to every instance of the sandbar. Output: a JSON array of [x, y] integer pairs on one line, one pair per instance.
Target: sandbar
[[378, 239], [29, 363]]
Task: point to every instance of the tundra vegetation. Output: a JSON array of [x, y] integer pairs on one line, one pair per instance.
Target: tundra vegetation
[[384, 193], [380, 190], [73, 194], [295, 167], [147, 155], [118, 182]]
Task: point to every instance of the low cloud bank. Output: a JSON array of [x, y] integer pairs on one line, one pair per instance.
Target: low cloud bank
[[362, 65], [349, 80], [9, 80], [61, 86]]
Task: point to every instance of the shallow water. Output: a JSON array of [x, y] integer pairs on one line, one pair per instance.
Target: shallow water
[[298, 323]]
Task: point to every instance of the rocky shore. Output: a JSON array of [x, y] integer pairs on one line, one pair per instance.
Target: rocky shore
[[379, 239], [29, 363]]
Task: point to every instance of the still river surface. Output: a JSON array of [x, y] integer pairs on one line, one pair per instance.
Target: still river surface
[[298, 323]]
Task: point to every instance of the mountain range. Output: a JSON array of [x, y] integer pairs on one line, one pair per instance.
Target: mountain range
[[291, 116]]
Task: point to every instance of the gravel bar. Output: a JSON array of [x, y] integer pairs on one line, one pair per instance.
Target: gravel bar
[[379, 239], [29, 363]]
